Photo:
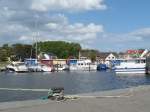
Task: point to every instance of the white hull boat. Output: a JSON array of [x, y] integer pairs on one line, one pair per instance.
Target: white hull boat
[[59, 67], [34, 66], [131, 66], [17, 67], [83, 65]]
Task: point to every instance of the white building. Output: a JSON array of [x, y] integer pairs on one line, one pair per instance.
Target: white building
[[109, 58], [106, 58]]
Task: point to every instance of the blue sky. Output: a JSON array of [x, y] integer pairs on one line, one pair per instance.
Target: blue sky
[[106, 25], [121, 16]]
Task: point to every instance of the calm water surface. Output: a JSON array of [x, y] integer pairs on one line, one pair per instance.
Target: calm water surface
[[73, 83]]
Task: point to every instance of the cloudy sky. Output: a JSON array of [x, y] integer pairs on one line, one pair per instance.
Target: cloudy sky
[[106, 25]]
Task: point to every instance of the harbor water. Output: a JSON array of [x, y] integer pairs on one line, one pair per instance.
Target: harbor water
[[72, 82]]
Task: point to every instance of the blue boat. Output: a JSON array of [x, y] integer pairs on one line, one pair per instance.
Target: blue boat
[[102, 67]]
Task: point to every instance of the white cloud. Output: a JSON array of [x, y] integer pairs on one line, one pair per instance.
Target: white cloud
[[77, 28], [57, 28], [77, 32], [143, 33], [17, 24], [68, 5], [134, 36], [113, 41], [18, 21]]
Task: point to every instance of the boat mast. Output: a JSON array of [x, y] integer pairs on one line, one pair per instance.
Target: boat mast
[[79, 54], [36, 46], [36, 36]]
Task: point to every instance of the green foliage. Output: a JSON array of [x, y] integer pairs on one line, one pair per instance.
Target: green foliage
[[15, 52], [22, 51], [89, 53], [3, 55], [5, 52], [60, 48]]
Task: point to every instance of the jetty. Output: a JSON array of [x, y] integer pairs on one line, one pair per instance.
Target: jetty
[[137, 100]]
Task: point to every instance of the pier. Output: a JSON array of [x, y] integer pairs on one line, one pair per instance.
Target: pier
[[138, 102]]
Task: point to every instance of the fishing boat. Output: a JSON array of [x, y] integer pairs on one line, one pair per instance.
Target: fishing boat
[[127, 66], [17, 67], [84, 65]]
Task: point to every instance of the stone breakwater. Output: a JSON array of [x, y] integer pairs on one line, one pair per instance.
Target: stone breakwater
[[136, 99]]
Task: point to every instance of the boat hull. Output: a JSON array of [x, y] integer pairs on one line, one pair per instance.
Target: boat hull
[[131, 66], [130, 70], [91, 68], [16, 68]]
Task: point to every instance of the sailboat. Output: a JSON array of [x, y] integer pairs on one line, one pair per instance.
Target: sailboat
[[33, 64]]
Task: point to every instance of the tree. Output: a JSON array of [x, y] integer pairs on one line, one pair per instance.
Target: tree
[[22, 51], [90, 53], [5, 52], [3, 55], [60, 48]]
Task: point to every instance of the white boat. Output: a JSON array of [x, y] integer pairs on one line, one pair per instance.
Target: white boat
[[17, 67], [45, 68], [127, 66], [84, 65], [59, 67], [39, 68], [34, 66]]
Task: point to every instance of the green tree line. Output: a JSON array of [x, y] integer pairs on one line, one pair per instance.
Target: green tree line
[[61, 49], [21, 51], [15, 52], [90, 53]]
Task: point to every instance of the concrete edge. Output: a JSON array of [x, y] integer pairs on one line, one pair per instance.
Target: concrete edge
[[29, 103]]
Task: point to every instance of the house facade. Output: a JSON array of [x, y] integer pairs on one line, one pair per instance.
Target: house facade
[[109, 58], [106, 58]]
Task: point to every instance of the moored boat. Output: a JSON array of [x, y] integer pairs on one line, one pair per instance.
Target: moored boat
[[34, 66], [17, 67], [83, 65], [102, 67], [59, 67], [127, 66]]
